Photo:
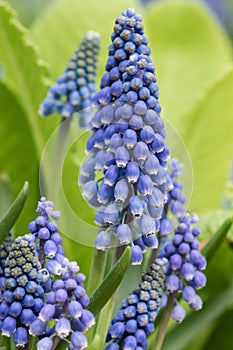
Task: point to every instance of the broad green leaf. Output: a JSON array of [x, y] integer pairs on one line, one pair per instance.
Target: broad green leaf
[[72, 19], [221, 335], [24, 73], [110, 283], [207, 131], [217, 239], [189, 48], [10, 217], [17, 152], [196, 323], [28, 10]]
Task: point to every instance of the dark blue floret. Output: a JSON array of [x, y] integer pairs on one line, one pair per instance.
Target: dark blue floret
[[75, 88], [127, 144]]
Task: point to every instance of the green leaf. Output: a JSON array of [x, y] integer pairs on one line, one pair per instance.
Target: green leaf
[[28, 10], [210, 220], [72, 19], [217, 239], [190, 49], [207, 131], [24, 73], [5, 194], [110, 283], [17, 152], [9, 219], [196, 323]]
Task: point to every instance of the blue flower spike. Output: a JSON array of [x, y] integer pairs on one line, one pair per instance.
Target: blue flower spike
[[181, 248], [135, 319], [127, 144], [22, 275], [74, 90], [40, 286]]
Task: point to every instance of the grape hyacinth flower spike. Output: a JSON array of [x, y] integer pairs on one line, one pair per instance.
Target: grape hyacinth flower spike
[[74, 90], [135, 319], [65, 295], [22, 293], [42, 291], [181, 248], [127, 145]]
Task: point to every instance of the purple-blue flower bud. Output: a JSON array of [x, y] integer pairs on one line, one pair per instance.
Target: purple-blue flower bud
[[44, 344], [178, 313], [20, 336], [63, 327], [136, 255], [121, 191], [172, 283], [124, 234]]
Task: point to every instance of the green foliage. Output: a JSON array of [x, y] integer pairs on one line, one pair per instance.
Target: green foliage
[[110, 283], [17, 152], [11, 216], [207, 134], [214, 243], [190, 49]]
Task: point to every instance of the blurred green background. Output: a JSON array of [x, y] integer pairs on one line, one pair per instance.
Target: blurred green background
[[192, 51]]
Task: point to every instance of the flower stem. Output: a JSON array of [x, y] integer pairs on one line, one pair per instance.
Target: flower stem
[[164, 322], [97, 270], [30, 344]]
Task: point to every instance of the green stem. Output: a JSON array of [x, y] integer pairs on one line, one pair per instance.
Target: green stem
[[164, 322], [30, 344], [97, 270], [56, 341], [58, 158]]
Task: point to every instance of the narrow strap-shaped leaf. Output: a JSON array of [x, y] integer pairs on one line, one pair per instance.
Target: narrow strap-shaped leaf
[[214, 243], [5, 194], [13, 212], [109, 285]]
